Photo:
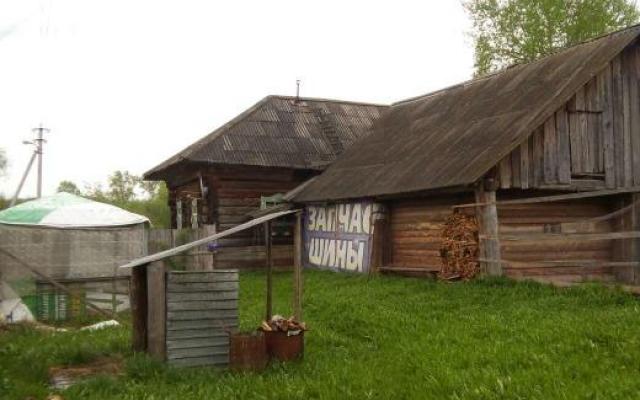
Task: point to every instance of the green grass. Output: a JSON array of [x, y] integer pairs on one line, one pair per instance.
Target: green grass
[[383, 338]]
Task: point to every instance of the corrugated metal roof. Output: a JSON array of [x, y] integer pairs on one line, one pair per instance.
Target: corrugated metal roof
[[281, 132], [452, 137]]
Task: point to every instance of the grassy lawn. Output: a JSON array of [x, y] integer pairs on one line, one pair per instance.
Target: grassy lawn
[[383, 338]]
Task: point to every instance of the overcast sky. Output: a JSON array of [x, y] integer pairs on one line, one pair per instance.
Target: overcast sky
[[126, 84]]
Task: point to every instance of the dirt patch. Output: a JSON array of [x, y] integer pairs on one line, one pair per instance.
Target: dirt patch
[[61, 377]]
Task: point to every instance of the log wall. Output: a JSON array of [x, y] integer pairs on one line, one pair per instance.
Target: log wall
[[415, 233], [591, 142], [230, 194], [562, 260]]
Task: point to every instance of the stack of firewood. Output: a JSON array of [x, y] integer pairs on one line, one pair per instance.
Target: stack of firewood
[[459, 250], [281, 324]]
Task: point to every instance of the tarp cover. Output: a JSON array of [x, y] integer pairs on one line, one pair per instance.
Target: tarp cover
[[65, 210]]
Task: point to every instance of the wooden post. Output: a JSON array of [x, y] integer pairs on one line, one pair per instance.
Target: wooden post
[[138, 300], [297, 268], [179, 214], [194, 213], [379, 242], [635, 243], [157, 312], [487, 216], [269, 265]]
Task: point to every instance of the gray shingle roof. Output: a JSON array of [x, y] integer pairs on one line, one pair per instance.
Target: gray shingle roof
[[280, 131], [452, 137]]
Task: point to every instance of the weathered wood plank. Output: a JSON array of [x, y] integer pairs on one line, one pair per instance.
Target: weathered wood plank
[[210, 351], [618, 120], [203, 296], [191, 343], [202, 305], [219, 360], [606, 90], [550, 151], [635, 113], [204, 276], [515, 168], [487, 216], [269, 266], [564, 148], [156, 315], [201, 287], [627, 112], [560, 197], [195, 333], [538, 157], [569, 236], [505, 172], [138, 301], [298, 246], [592, 133], [219, 324], [524, 165], [188, 315], [575, 135]]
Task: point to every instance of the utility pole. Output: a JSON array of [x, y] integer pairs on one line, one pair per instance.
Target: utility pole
[[37, 153], [38, 143]]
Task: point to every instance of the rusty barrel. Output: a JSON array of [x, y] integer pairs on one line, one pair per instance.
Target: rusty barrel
[[285, 346], [248, 351]]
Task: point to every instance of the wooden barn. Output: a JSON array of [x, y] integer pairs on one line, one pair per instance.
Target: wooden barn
[[543, 158], [247, 163]]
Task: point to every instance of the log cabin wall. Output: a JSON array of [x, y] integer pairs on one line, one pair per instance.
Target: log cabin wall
[[591, 142], [231, 193], [415, 233], [564, 259]]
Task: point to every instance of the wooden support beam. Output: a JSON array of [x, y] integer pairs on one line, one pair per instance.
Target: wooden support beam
[[157, 311], [297, 268], [138, 299], [269, 265], [379, 242], [487, 215], [634, 244], [560, 237], [560, 197]]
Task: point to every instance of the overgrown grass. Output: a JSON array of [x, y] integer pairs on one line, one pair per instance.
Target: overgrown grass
[[383, 338]]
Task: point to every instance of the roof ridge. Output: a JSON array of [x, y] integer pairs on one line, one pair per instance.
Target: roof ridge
[[515, 65], [321, 99]]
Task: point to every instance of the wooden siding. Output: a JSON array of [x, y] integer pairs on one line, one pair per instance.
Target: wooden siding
[[591, 142], [416, 232], [201, 308], [535, 259], [232, 192]]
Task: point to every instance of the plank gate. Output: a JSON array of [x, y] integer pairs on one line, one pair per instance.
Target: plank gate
[[202, 307]]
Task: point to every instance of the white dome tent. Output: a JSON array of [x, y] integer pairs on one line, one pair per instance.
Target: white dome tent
[[68, 238]]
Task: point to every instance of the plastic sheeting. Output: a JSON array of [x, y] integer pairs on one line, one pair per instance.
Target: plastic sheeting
[[65, 210], [12, 309]]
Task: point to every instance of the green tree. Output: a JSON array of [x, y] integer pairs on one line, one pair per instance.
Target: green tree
[[508, 32], [68, 187], [122, 186], [151, 188]]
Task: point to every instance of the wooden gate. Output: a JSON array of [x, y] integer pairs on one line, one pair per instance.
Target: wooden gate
[[202, 307]]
